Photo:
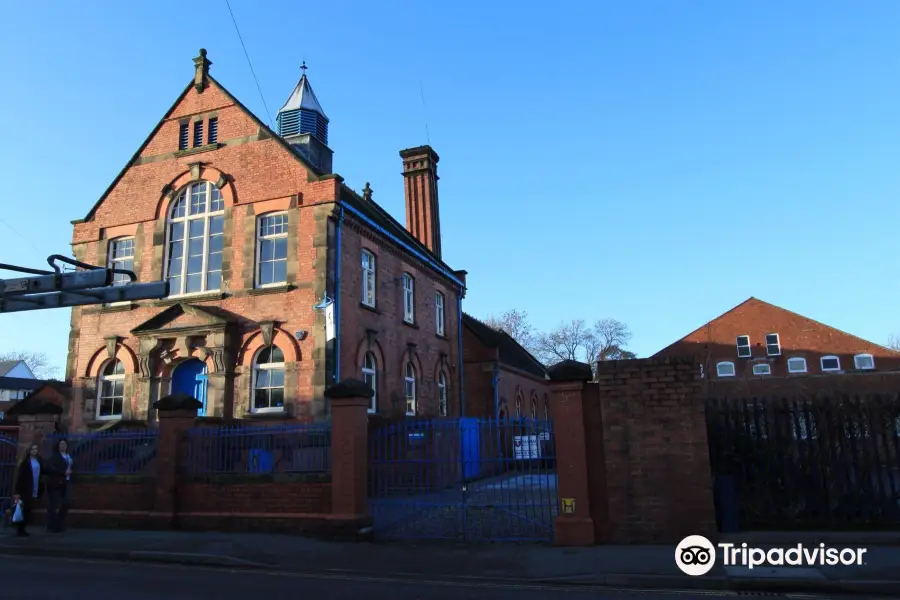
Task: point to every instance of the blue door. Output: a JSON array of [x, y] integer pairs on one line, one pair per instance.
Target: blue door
[[190, 378]]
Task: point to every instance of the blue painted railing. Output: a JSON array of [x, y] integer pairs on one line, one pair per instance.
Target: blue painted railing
[[289, 448], [109, 452]]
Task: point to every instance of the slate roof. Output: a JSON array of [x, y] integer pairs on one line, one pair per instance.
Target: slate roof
[[7, 365], [20, 383], [303, 97], [510, 351]]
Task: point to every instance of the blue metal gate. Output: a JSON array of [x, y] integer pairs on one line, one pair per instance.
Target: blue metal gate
[[463, 479], [8, 450]]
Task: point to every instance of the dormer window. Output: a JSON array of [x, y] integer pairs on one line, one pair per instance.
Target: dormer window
[[762, 369], [773, 345], [865, 362], [725, 369], [743, 346], [830, 363]]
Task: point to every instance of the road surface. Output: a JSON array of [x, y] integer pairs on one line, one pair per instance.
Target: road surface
[[32, 578]]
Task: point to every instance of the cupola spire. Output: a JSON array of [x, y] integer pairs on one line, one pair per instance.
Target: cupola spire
[[303, 124]]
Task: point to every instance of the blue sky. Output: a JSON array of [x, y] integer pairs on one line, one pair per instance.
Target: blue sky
[[657, 162]]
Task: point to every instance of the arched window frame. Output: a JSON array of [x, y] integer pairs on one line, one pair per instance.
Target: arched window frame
[[519, 400], [534, 405], [796, 364], [184, 212], [266, 377], [443, 405], [370, 376], [271, 249], [410, 389], [546, 408], [111, 390], [837, 361], [725, 368]]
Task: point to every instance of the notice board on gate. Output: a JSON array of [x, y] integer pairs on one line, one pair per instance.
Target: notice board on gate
[[526, 447]]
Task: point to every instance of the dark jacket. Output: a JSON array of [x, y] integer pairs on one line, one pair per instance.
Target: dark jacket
[[56, 471], [25, 479]]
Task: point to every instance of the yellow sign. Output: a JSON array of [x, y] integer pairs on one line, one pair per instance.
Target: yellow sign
[[568, 506]]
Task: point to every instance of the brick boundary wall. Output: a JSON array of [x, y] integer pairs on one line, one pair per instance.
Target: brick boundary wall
[[633, 454], [332, 506]]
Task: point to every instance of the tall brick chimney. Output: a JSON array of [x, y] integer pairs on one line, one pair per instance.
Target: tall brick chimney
[[423, 219]]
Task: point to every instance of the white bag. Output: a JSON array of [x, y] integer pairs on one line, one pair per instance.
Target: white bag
[[18, 516]]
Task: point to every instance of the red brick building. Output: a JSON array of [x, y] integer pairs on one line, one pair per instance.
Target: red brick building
[[282, 278], [502, 378], [757, 341]]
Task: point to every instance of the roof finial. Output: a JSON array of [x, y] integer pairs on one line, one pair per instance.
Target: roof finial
[[201, 71], [303, 67], [367, 192]]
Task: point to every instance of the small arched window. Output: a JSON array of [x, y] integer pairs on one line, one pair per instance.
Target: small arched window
[[864, 362], [410, 389], [268, 380], [546, 408], [442, 394], [534, 406], [112, 391], [519, 400], [796, 364], [725, 369], [370, 376], [830, 363], [195, 232]]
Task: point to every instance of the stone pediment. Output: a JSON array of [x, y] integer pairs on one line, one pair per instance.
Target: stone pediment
[[184, 316]]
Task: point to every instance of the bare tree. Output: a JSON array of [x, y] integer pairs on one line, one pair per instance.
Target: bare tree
[[894, 342], [606, 340], [36, 361], [612, 338], [515, 324]]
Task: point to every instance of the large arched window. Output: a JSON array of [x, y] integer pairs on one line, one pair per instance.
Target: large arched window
[[268, 380], [195, 238], [111, 391], [442, 394], [410, 389], [370, 376]]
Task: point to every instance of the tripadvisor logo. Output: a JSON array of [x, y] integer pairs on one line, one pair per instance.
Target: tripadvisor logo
[[695, 555]]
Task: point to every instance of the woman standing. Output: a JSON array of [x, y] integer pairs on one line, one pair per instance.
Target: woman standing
[[28, 486], [60, 475]]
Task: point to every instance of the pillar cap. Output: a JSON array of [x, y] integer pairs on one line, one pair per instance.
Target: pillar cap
[[178, 401], [349, 388]]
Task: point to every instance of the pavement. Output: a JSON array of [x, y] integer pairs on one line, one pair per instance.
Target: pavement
[[609, 566], [30, 579]]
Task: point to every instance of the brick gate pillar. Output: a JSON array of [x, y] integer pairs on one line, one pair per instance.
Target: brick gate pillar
[[35, 429], [177, 413], [575, 528], [349, 449]]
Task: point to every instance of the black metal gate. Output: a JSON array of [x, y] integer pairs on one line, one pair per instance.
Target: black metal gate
[[827, 462], [463, 479]]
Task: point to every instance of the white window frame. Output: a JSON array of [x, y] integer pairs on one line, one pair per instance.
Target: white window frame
[[830, 356], [439, 313], [100, 397], [371, 371], [793, 370], [864, 355], [777, 345], [259, 240], [409, 299], [442, 394], [764, 369], [737, 342], [185, 195], [368, 278], [114, 262], [267, 367], [410, 389], [719, 366]]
